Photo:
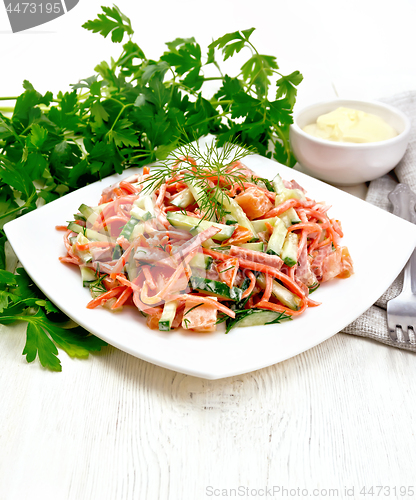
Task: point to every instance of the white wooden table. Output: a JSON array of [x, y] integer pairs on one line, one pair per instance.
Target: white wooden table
[[324, 424]]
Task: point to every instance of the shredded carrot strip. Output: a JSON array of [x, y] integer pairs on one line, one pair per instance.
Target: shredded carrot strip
[[122, 299], [278, 308], [107, 211], [268, 290], [255, 266], [123, 280], [312, 303], [205, 300], [107, 222], [275, 273], [149, 277], [146, 170], [128, 187], [326, 241], [105, 296], [309, 226], [247, 292], [74, 258], [269, 227], [61, 228], [281, 208], [215, 255], [95, 244], [122, 261], [154, 299], [70, 260]]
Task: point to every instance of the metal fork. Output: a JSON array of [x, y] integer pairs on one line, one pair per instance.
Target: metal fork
[[401, 311]]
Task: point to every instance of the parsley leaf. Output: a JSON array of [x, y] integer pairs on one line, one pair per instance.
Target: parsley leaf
[[132, 111], [43, 336], [112, 21], [20, 300]]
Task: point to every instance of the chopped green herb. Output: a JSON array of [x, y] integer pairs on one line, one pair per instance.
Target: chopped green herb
[[192, 308], [280, 318], [228, 268], [314, 287]]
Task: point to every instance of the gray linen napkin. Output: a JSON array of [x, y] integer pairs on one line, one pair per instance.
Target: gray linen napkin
[[373, 322]]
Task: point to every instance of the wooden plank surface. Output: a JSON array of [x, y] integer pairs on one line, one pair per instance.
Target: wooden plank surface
[[341, 415], [115, 427]]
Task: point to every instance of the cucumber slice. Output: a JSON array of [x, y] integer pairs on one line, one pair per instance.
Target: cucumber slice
[[126, 232], [87, 211], [278, 185], [253, 317], [88, 276], [183, 199], [168, 315], [289, 194], [283, 194], [201, 261], [285, 296], [208, 243], [145, 203], [198, 194], [138, 229], [80, 217], [290, 217], [238, 214], [290, 249], [224, 249], [89, 233], [85, 255], [260, 225], [91, 213], [277, 238], [258, 247], [198, 225], [293, 216], [215, 288], [140, 214]]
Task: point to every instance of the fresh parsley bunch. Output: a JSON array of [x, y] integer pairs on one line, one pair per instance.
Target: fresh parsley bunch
[[132, 111]]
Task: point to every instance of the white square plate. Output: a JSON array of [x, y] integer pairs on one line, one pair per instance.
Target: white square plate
[[379, 243]]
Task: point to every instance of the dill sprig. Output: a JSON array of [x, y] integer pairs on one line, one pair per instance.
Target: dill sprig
[[210, 170]]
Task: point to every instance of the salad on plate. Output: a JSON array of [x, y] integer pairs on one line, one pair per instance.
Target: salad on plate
[[202, 240]]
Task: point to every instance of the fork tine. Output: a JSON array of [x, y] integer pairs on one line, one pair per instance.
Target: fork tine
[[401, 310], [393, 333], [405, 334]]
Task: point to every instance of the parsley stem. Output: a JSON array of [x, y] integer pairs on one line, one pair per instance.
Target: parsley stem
[[284, 140], [8, 98], [125, 106], [18, 209], [252, 46], [213, 78], [224, 101], [11, 129], [115, 100]]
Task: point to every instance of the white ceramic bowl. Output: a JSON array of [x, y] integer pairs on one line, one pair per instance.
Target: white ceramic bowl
[[345, 163]]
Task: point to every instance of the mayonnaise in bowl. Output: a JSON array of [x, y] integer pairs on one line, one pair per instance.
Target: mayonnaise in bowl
[[350, 125]]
